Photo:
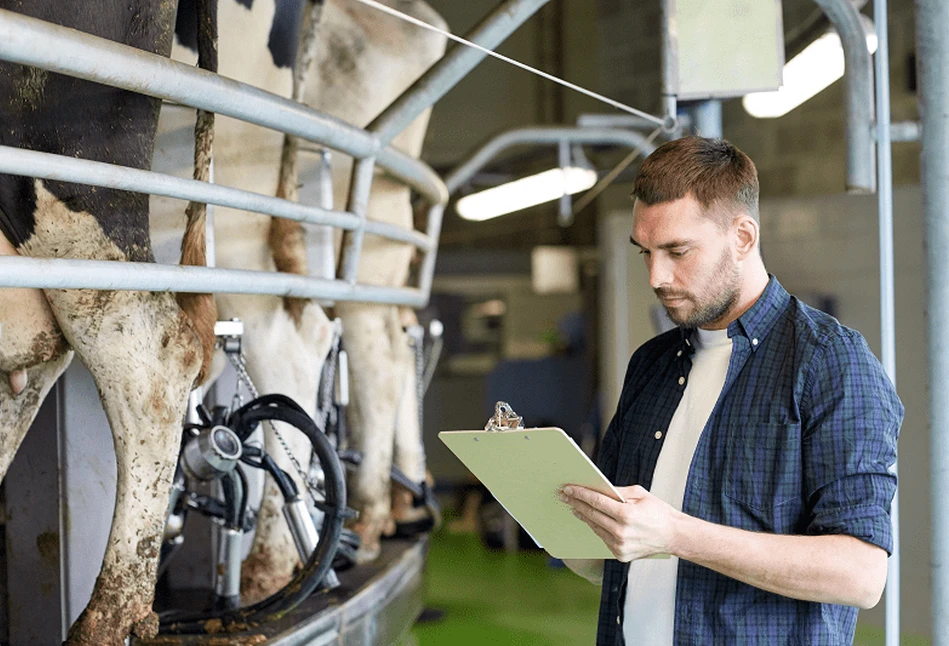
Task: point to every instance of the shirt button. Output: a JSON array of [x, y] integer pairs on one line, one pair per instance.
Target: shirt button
[[619, 622], [754, 342], [658, 435], [679, 353], [681, 380]]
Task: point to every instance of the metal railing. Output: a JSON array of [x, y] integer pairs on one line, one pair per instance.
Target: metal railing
[[39, 44]]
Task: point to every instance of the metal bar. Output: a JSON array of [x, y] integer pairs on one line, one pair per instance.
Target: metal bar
[[670, 61], [16, 161], [452, 67], [399, 234], [932, 46], [707, 117], [414, 173], [904, 130], [33, 42], [210, 249], [67, 273], [861, 174], [565, 204], [427, 272], [359, 189], [597, 120], [887, 298], [520, 136]]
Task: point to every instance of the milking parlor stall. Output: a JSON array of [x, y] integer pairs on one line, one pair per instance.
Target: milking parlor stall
[[216, 235], [208, 273]]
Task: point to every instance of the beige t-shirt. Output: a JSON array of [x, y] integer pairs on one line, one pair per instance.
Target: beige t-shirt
[[649, 613]]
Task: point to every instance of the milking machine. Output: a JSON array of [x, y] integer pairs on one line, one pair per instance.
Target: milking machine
[[217, 447]]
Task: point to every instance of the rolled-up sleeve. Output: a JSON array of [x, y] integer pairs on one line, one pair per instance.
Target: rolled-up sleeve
[[851, 418]]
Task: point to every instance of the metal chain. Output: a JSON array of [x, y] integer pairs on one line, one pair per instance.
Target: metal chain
[[239, 363], [419, 343]]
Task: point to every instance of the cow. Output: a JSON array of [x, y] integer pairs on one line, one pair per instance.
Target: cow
[[144, 350], [364, 60], [147, 350]]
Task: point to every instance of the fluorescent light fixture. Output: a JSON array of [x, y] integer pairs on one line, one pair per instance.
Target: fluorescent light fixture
[[522, 193], [820, 64]]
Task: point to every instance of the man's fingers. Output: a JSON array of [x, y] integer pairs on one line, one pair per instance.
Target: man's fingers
[[608, 538], [593, 499], [593, 516]]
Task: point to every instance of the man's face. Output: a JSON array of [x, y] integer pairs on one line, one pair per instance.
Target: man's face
[[691, 260]]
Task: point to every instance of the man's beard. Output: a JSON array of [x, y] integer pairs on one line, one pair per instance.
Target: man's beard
[[726, 275]]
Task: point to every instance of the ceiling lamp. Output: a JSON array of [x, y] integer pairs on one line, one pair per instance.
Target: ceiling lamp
[[816, 67], [522, 193]]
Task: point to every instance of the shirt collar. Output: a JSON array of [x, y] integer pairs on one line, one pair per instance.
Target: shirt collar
[[757, 321]]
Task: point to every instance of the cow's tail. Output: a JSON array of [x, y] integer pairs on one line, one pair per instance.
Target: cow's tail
[[287, 238], [200, 308]]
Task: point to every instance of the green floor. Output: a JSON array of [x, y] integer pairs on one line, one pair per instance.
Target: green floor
[[497, 598], [490, 597]]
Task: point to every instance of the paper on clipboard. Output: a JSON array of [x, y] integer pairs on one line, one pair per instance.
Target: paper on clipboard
[[525, 469]]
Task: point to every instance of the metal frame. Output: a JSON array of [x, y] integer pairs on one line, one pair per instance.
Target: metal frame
[[887, 292], [861, 171], [932, 25], [33, 42], [551, 136]]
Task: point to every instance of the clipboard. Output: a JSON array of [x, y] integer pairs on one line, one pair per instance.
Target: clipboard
[[525, 469]]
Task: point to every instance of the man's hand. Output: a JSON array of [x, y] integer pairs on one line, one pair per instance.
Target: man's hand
[[642, 526], [827, 569]]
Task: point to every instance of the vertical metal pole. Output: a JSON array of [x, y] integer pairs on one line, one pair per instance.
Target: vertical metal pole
[[858, 80], [565, 211], [707, 118], [887, 308], [209, 250], [427, 272], [670, 61], [932, 27], [359, 189]]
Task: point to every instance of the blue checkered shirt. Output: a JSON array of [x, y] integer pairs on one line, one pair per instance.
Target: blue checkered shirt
[[801, 441]]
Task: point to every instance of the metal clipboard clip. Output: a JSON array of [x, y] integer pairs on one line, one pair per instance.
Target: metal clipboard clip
[[505, 419]]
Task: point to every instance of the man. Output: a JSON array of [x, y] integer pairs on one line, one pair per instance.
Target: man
[[754, 444]]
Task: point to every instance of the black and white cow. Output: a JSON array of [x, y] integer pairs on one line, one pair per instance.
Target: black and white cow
[[364, 60], [145, 350]]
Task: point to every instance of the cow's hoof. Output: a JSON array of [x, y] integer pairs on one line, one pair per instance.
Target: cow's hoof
[[260, 578], [370, 532], [367, 554], [146, 627]]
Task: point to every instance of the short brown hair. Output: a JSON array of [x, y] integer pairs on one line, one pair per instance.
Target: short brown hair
[[719, 176]]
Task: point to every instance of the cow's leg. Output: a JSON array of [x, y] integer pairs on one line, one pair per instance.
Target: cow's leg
[[409, 454], [377, 347], [144, 356], [282, 357]]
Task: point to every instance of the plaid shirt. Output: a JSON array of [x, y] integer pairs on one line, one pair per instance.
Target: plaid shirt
[[801, 441]]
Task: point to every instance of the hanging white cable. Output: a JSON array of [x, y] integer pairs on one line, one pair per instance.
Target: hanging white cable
[[599, 97]]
